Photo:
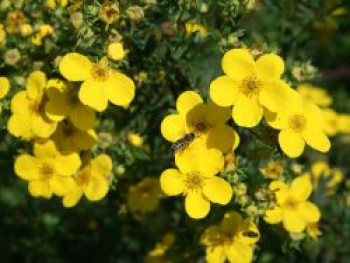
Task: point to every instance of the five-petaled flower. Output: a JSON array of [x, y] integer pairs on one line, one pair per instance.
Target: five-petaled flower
[[48, 171], [250, 86], [196, 180], [293, 208], [100, 83], [304, 123], [92, 180], [229, 241], [206, 121], [28, 120]]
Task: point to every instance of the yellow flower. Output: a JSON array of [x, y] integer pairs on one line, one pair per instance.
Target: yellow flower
[[37, 39], [45, 30], [27, 120], [63, 102], [302, 124], [249, 85], [144, 197], [320, 170], [273, 170], [14, 21], [100, 83], [195, 179], [4, 86], [2, 35], [135, 139], [292, 208], [115, 51], [92, 180], [331, 122], [229, 241], [53, 4], [314, 95], [192, 28], [313, 230], [344, 123], [48, 171], [206, 121], [70, 139], [109, 12], [157, 255], [26, 30]]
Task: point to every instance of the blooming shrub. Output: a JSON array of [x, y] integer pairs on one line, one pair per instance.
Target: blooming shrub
[[174, 131]]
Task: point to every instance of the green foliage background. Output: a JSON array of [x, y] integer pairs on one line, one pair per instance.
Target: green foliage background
[[34, 230]]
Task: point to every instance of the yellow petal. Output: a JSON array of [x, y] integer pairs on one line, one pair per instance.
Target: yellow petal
[[27, 167], [173, 127], [274, 216], [309, 212], [238, 64], [18, 126], [61, 185], [20, 103], [42, 127], [83, 117], [67, 164], [206, 162], [36, 84], [85, 140], [314, 116], [72, 198], [215, 254], [270, 66], [120, 89], [75, 67], [231, 222], [94, 94], [187, 101], [247, 112], [275, 120], [317, 140], [46, 149], [239, 253], [196, 205], [96, 189], [56, 110], [223, 138], [172, 182], [224, 91], [102, 165], [4, 86], [40, 189], [217, 190], [57, 90], [217, 115], [292, 222], [291, 143], [280, 190], [301, 188], [278, 97]]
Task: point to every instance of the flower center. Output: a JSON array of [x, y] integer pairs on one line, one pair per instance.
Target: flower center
[[83, 178], [250, 86], [99, 72], [297, 122], [194, 182], [46, 170], [67, 129], [291, 203], [201, 127]]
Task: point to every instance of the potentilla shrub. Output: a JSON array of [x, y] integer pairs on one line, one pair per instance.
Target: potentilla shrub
[[171, 117]]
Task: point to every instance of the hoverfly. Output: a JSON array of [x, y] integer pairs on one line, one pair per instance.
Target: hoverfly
[[251, 234], [183, 142]]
